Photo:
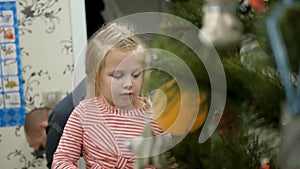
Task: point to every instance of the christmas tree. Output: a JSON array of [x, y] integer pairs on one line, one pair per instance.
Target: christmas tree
[[249, 134]]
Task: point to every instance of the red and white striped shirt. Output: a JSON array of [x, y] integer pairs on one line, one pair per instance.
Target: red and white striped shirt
[[102, 133]]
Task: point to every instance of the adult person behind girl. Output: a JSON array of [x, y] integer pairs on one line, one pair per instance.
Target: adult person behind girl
[[59, 117], [35, 124], [114, 112], [43, 126]]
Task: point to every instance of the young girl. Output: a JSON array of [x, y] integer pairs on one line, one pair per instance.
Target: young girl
[[114, 112]]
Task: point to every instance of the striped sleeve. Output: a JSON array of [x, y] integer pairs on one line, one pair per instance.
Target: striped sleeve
[[69, 148]]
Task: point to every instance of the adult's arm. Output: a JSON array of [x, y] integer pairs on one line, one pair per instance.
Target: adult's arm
[[56, 124], [59, 117], [69, 147]]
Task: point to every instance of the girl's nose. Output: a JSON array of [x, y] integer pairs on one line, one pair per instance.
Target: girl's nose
[[128, 83]]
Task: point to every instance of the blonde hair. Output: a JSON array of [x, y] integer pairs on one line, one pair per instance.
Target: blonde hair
[[112, 36]]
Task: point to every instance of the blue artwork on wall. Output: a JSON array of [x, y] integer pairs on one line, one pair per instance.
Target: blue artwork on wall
[[12, 104]]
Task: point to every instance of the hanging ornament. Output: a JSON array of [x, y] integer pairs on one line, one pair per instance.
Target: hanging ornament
[[150, 150], [259, 6], [264, 163], [167, 113], [221, 27], [244, 7]]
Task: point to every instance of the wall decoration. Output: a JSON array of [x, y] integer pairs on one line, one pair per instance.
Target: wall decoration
[[67, 46], [68, 69], [33, 80], [8, 51], [44, 34], [18, 131], [12, 104], [32, 10], [37, 161], [68, 50]]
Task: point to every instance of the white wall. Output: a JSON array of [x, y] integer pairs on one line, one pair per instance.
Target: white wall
[[47, 58]]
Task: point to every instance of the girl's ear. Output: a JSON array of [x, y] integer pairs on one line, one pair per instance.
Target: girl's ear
[[43, 124]]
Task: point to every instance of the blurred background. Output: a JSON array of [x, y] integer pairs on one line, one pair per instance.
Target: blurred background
[[259, 127]]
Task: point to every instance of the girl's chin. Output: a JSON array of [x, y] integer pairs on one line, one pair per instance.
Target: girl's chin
[[125, 106], [125, 103]]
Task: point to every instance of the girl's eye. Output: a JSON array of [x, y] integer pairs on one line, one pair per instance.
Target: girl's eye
[[117, 75], [135, 75]]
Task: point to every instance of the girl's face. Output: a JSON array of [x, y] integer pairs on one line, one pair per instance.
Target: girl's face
[[121, 78]]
